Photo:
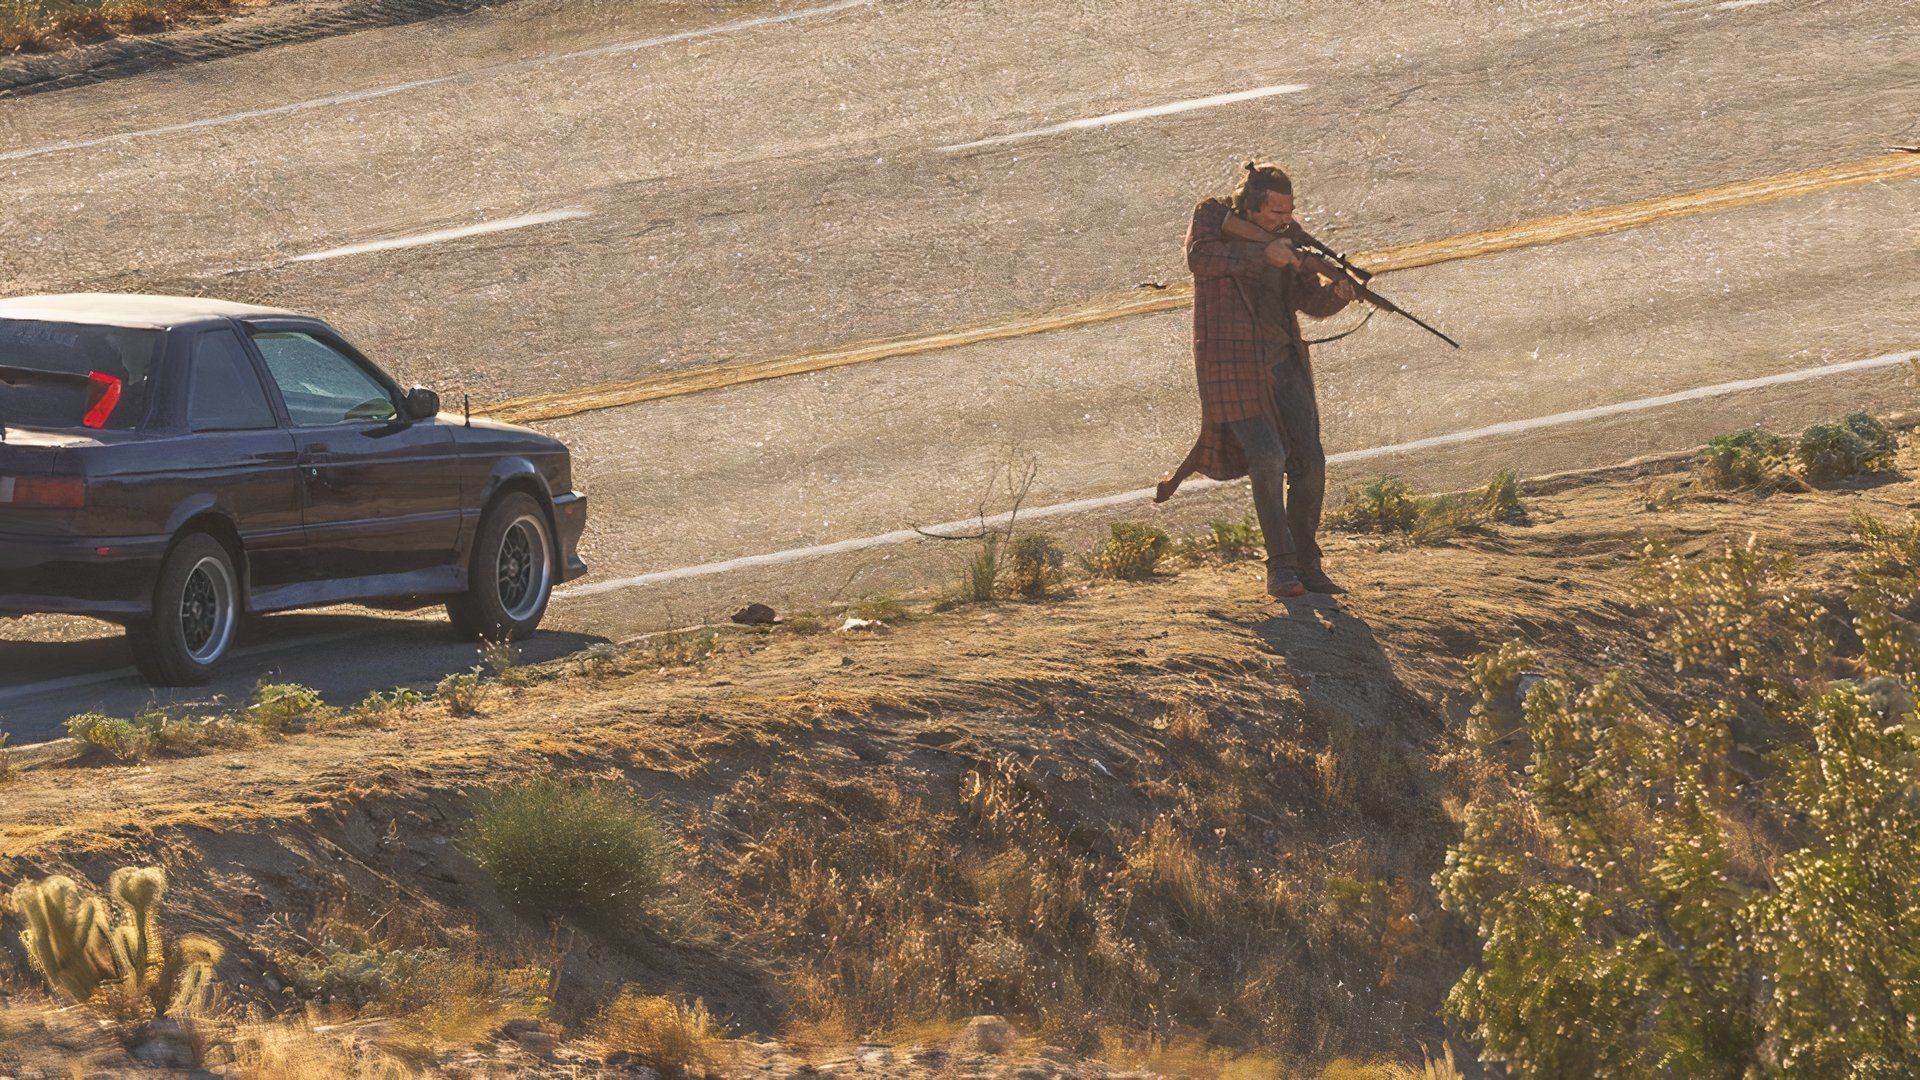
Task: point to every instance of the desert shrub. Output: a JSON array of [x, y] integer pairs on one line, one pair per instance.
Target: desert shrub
[[1036, 566], [1647, 908], [1229, 539], [120, 738], [667, 1035], [465, 693], [1385, 504], [589, 852], [1389, 506], [880, 607], [126, 967], [280, 707], [1500, 499], [1735, 612], [1885, 599], [433, 985], [1846, 447], [598, 661], [980, 575], [8, 771], [1752, 459], [275, 709], [382, 706], [680, 648], [1131, 552], [296, 1048]]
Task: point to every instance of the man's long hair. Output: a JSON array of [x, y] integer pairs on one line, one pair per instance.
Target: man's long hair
[[1257, 179]]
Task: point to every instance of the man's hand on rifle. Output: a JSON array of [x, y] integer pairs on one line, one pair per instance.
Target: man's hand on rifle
[[1280, 254]]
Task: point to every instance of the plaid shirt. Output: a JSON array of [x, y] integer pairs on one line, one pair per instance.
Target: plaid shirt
[[1244, 320]]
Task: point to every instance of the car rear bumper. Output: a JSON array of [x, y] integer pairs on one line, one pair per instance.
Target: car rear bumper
[[107, 578], [569, 522]]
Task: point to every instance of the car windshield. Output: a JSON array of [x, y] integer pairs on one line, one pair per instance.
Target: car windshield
[[71, 375]]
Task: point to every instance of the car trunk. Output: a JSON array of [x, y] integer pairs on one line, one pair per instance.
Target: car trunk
[[37, 496]]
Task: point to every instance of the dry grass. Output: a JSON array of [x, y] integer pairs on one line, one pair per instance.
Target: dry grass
[[670, 1036], [430, 986], [38, 25], [1388, 506], [899, 907], [290, 1048]]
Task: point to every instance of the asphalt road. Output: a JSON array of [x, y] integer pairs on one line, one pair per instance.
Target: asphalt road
[[746, 181]]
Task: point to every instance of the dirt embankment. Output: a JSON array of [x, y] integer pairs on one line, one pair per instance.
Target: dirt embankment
[[1170, 810]]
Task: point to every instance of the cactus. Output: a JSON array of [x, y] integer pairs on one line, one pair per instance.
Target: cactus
[[65, 938], [70, 944]]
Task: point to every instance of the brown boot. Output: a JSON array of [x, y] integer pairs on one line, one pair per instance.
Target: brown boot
[[1314, 579], [1283, 583]]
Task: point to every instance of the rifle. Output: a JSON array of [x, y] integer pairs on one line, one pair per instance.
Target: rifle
[[1321, 259]]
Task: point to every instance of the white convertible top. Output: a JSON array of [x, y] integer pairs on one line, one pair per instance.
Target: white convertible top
[[132, 310]]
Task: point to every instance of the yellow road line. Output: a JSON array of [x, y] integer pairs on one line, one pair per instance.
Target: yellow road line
[[1547, 230]]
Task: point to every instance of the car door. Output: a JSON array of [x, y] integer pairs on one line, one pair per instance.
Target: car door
[[381, 494], [237, 452]]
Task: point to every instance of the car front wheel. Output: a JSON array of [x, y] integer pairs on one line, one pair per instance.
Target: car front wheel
[[196, 615], [511, 578]]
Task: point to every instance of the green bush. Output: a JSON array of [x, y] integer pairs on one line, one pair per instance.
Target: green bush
[[1385, 504], [465, 692], [1230, 539], [1852, 446], [122, 739], [880, 607], [1035, 566], [980, 577], [1389, 506], [281, 707], [588, 852], [1648, 902], [1753, 459], [1132, 552]]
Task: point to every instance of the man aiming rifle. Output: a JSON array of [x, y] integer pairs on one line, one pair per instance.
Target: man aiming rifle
[[1254, 272]]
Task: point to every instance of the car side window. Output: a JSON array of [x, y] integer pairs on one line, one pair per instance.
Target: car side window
[[225, 392], [321, 384]]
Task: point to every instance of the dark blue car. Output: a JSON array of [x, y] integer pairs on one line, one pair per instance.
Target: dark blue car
[[173, 464]]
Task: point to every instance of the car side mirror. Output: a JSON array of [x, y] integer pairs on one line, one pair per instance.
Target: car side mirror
[[422, 404]]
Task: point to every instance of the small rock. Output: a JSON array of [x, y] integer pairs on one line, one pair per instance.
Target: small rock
[[987, 1035], [755, 615], [517, 1027], [164, 1043], [938, 738], [853, 625], [537, 1043]]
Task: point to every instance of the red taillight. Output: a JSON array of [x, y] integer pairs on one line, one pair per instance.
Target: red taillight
[[49, 492], [106, 395]]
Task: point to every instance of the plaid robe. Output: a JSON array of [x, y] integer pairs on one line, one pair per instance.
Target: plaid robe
[[1244, 320]]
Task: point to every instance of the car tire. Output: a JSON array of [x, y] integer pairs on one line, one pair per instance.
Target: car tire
[[510, 579], [197, 610]]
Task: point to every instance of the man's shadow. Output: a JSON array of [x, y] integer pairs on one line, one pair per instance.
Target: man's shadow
[[1337, 662]]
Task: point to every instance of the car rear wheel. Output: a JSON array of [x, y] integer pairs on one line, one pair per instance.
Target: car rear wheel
[[511, 578], [196, 615]]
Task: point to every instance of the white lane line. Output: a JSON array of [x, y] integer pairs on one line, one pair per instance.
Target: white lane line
[[439, 235], [1731, 4], [489, 71], [1134, 114], [900, 536]]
